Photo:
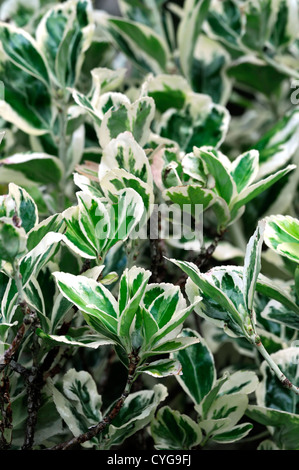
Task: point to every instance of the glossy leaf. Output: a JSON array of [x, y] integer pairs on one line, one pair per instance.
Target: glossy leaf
[[198, 368], [137, 412], [79, 404], [135, 118], [252, 264], [64, 34], [172, 430], [282, 236], [139, 42]]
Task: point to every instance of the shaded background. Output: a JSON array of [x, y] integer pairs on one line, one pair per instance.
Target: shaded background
[[111, 6]]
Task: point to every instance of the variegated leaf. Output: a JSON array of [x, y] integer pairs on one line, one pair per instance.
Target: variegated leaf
[[79, 403], [135, 118], [221, 293], [285, 425], [194, 14], [200, 122], [125, 153], [172, 430], [282, 236], [23, 51], [136, 413], [13, 240], [25, 207], [139, 42], [28, 108], [99, 307], [38, 167], [278, 145], [252, 264], [270, 393], [119, 179], [162, 368], [244, 169], [64, 34], [131, 290], [37, 258], [198, 368], [208, 72]]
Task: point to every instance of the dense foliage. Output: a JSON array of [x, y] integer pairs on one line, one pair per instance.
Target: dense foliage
[[185, 335]]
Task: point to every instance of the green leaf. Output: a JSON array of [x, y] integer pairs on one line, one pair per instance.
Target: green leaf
[[199, 123], [79, 403], [28, 102], [224, 183], [245, 169], [12, 240], [139, 42], [221, 294], [282, 236], [22, 50], [95, 300], [198, 368], [25, 207], [131, 290], [39, 256], [270, 393], [257, 188], [135, 118], [38, 167], [125, 153], [64, 34], [162, 368], [235, 434], [172, 430], [136, 413], [286, 425], [252, 264], [172, 345], [194, 14]]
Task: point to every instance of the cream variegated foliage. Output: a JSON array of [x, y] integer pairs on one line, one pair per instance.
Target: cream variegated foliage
[[186, 112]]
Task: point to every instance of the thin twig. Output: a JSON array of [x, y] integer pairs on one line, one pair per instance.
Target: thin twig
[[6, 414], [274, 367], [202, 258], [157, 250]]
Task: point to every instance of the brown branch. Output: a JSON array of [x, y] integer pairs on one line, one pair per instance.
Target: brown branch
[[34, 386], [9, 353], [202, 259], [6, 414], [157, 252], [99, 428]]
